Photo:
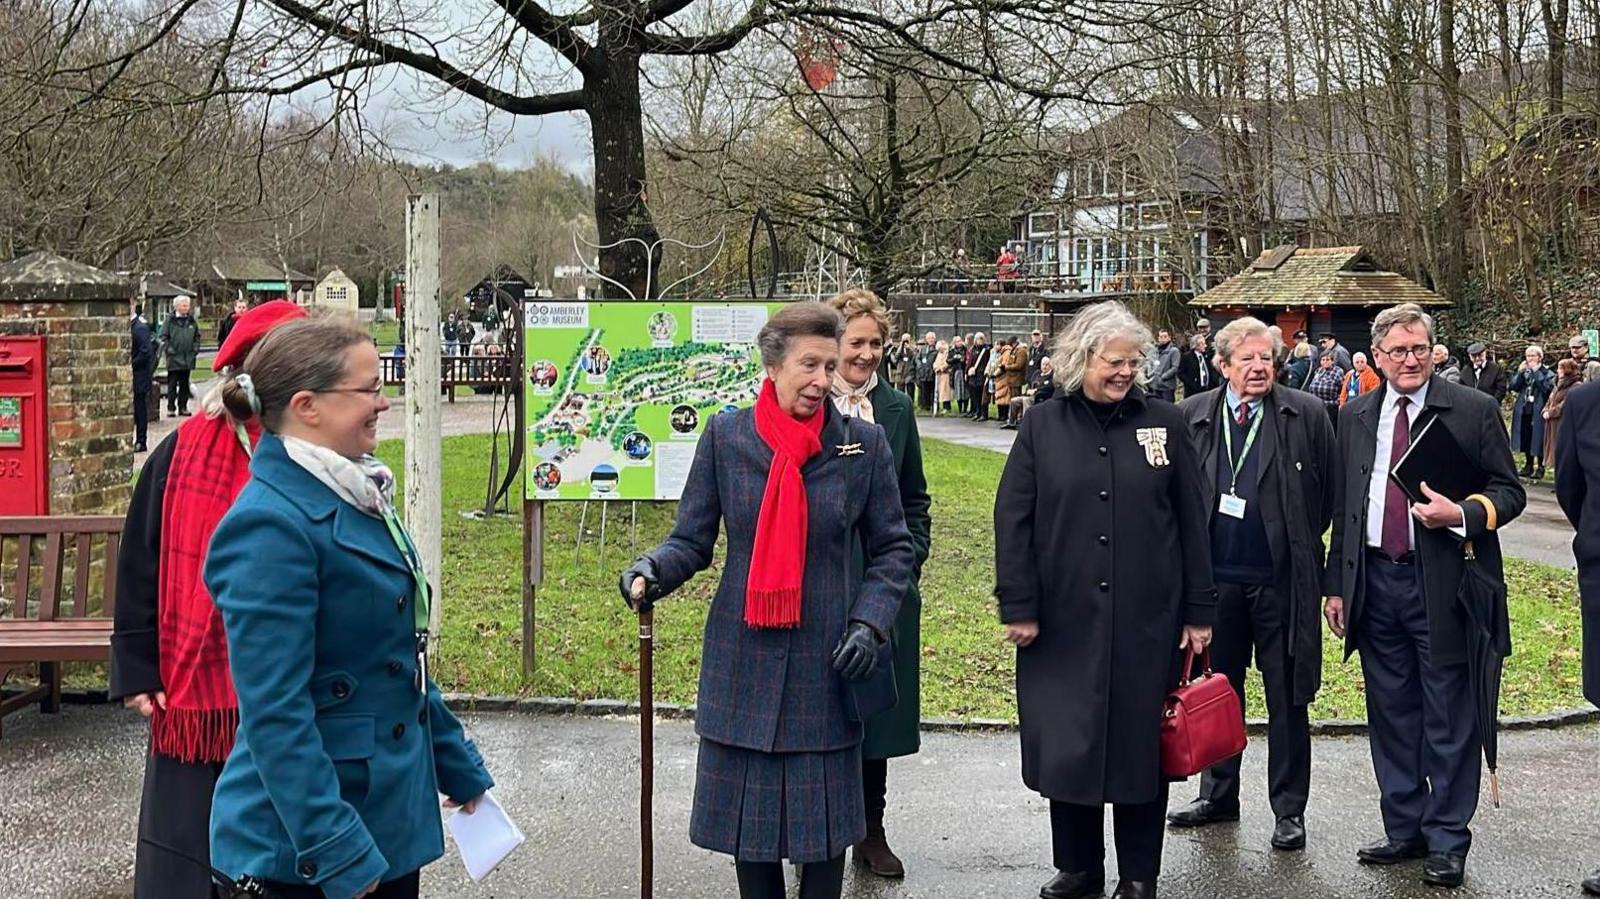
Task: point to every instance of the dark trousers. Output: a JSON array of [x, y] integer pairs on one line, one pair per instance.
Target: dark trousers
[[1420, 715], [1525, 434], [1078, 837], [1257, 617], [925, 395], [170, 861], [141, 415], [875, 788], [177, 390], [407, 887], [764, 880]]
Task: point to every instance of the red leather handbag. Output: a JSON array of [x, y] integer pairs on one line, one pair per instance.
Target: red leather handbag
[[1203, 723]]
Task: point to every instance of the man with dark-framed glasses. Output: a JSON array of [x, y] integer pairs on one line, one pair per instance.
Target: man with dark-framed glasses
[[1392, 578]]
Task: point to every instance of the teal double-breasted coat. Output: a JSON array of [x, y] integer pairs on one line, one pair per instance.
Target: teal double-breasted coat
[[335, 777], [897, 732]]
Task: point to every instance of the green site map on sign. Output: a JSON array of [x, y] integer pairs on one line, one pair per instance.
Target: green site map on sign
[[618, 393]]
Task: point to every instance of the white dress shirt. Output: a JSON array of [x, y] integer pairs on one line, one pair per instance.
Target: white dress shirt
[[1378, 486]]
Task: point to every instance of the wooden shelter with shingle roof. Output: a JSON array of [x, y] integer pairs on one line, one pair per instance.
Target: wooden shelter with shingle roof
[[1334, 290]]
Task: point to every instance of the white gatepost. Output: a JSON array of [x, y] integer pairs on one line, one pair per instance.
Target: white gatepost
[[424, 438]]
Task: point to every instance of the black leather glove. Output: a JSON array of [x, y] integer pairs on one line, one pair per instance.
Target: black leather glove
[[642, 567], [857, 653]]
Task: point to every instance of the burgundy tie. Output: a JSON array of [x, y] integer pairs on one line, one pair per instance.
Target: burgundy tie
[[1396, 505], [1242, 414]]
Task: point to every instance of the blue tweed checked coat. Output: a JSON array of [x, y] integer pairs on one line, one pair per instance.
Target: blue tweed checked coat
[[775, 690]]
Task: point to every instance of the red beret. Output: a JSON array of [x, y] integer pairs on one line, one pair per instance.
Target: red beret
[[250, 328]]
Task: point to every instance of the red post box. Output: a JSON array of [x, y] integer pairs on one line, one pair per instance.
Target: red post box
[[24, 428]]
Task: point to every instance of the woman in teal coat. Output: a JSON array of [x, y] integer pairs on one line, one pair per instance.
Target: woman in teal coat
[[344, 743], [859, 392]]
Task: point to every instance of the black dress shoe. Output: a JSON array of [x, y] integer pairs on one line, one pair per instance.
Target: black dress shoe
[[1290, 833], [1591, 884], [1074, 885], [1135, 889], [1201, 812], [1392, 852], [1443, 869]]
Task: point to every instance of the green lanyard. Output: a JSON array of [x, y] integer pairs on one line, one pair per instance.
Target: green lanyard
[[1249, 441], [408, 551]]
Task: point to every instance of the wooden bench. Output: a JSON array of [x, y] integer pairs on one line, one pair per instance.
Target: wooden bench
[[36, 627], [497, 371]]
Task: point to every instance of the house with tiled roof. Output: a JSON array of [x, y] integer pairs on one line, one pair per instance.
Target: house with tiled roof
[[1320, 290]]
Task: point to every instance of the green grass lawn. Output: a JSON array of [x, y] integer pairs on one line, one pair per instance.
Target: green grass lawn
[[586, 641]]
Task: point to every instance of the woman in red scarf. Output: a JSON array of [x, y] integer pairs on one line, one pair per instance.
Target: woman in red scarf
[[779, 775], [169, 658]]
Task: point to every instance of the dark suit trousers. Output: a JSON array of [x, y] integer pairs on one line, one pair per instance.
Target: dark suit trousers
[[141, 415], [1078, 837], [1420, 716], [1252, 616], [925, 395], [178, 394]]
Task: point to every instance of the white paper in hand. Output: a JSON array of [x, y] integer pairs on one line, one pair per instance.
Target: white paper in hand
[[484, 837]]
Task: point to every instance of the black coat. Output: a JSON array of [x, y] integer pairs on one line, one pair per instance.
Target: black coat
[[143, 355], [1189, 373], [1296, 469], [1081, 513], [1493, 381], [1474, 420], [1578, 491]]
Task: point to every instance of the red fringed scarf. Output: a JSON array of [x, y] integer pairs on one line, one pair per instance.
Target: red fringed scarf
[[209, 468], [777, 562]]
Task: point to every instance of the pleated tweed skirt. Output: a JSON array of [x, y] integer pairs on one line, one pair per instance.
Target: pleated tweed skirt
[[770, 806]]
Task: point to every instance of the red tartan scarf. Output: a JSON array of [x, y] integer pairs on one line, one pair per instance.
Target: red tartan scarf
[[777, 562], [209, 468]]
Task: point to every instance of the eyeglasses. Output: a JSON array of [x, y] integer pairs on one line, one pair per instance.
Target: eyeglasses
[[1133, 364], [1399, 353], [370, 392]]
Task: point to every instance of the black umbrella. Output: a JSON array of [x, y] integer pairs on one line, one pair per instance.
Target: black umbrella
[[1483, 596]]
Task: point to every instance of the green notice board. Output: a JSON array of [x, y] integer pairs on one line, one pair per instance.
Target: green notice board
[[618, 393]]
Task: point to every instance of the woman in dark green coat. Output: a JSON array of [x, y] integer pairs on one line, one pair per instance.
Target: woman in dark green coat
[[859, 392]]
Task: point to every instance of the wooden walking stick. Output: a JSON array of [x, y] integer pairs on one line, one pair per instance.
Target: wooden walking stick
[[646, 740]]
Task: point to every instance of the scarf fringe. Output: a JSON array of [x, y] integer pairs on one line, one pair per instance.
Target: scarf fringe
[[777, 607], [193, 736]]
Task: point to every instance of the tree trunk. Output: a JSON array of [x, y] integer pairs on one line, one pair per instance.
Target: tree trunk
[[1454, 237], [621, 207]]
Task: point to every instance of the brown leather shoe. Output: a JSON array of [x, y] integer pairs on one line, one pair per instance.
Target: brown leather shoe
[[875, 854]]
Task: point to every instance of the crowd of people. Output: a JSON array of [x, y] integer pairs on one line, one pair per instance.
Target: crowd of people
[[968, 376], [298, 744]]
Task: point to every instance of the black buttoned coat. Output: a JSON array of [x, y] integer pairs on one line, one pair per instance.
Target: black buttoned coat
[[1104, 543], [1296, 488], [1473, 418]]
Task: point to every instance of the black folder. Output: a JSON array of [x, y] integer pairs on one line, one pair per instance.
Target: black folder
[[1436, 457]]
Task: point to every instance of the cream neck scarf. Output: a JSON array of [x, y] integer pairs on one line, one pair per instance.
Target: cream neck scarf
[[364, 483], [852, 401]]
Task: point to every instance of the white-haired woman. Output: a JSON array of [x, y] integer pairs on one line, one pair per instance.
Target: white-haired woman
[[1098, 483], [1532, 385]]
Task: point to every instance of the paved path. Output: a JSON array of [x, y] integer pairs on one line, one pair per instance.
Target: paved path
[[467, 415], [959, 815], [1541, 534]]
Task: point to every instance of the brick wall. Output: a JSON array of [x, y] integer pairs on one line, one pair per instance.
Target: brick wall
[[90, 402]]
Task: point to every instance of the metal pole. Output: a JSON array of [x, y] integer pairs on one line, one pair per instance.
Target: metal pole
[[424, 447], [532, 575], [647, 713]]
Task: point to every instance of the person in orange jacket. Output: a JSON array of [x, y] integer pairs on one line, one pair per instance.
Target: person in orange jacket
[[1359, 380]]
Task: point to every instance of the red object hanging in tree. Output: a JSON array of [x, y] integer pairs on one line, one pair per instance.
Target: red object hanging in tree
[[818, 56]]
